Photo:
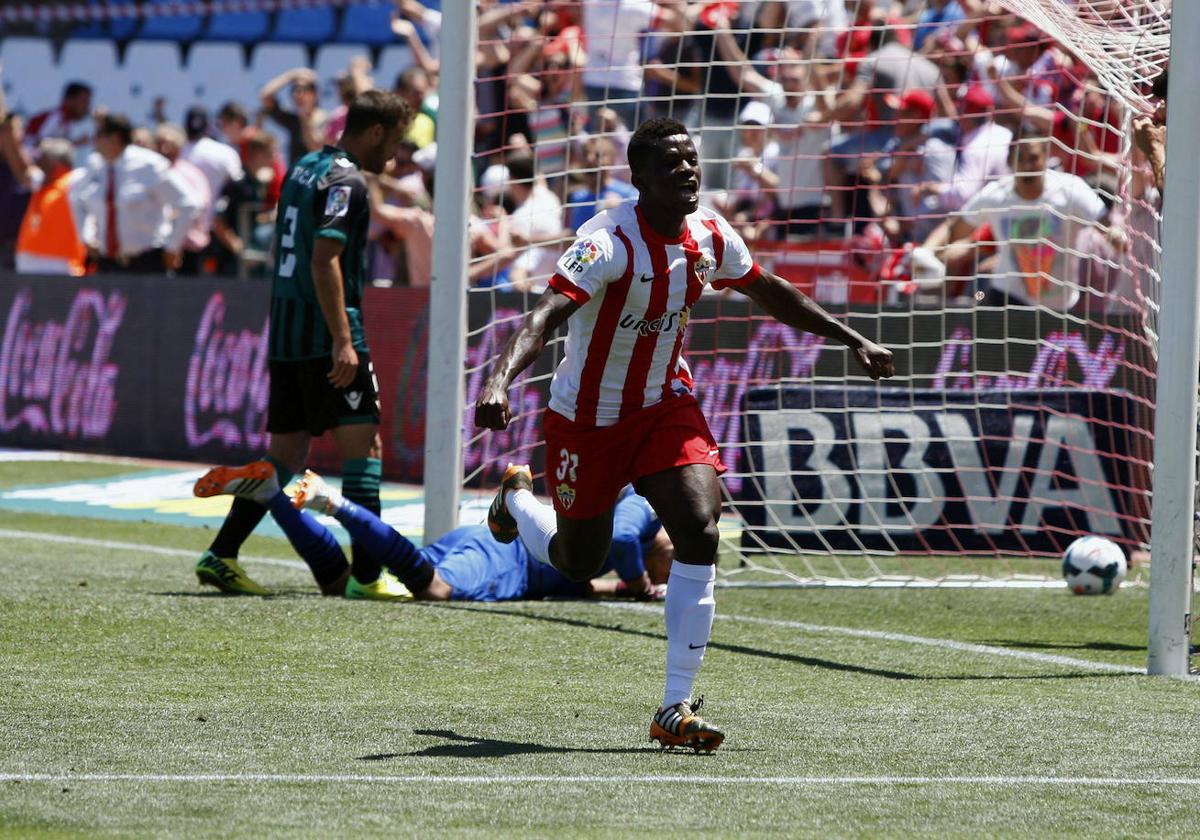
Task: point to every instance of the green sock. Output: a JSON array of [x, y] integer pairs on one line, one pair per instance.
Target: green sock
[[360, 484]]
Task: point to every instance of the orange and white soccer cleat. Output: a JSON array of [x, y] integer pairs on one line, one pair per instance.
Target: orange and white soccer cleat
[[314, 493], [255, 481], [681, 726], [500, 521]]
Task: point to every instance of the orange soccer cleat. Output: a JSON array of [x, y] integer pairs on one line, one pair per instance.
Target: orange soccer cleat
[[680, 726]]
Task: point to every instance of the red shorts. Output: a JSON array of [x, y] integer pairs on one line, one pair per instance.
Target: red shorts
[[586, 466]]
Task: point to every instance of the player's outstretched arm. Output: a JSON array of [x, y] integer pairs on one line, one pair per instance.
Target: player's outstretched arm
[[491, 409], [787, 304]]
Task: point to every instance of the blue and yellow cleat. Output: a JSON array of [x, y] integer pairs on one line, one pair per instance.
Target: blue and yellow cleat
[[226, 574], [386, 587], [680, 726], [500, 521]]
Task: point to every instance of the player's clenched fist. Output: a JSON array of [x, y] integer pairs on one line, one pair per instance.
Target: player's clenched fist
[[491, 409], [875, 360]]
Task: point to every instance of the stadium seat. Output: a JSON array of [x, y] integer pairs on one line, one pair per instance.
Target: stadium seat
[[369, 23], [95, 62], [269, 60], [243, 27], [218, 74], [307, 26], [331, 60], [392, 60], [30, 91], [170, 27], [154, 69]]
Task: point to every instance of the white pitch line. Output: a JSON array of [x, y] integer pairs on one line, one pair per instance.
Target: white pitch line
[[948, 644], [138, 547], [796, 781]]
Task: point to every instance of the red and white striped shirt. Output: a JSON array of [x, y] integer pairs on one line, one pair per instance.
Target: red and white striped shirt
[[635, 289]]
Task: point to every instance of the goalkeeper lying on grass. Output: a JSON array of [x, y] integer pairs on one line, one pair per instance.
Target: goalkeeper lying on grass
[[467, 564]]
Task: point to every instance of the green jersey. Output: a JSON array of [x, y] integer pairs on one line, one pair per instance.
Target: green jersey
[[324, 195]]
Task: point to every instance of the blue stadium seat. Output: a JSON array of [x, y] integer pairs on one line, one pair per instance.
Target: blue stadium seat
[[171, 27], [29, 92], [116, 28], [367, 24], [306, 26], [242, 27]]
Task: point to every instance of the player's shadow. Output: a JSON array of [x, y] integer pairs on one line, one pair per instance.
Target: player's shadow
[[1103, 646], [465, 746], [797, 659]]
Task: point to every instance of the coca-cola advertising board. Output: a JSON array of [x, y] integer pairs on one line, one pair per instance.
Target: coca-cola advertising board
[[177, 368]]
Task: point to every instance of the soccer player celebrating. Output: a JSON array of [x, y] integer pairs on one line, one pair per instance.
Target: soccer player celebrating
[[621, 408], [321, 375], [466, 564]]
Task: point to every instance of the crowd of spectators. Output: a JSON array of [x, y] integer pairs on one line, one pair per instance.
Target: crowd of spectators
[[883, 125]]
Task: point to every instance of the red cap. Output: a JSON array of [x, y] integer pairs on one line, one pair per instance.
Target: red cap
[[917, 100], [977, 100], [1024, 34]]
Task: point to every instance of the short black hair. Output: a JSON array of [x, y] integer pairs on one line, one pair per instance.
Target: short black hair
[[75, 88], [643, 145], [407, 77], [117, 124], [1159, 87], [520, 168], [376, 107], [233, 110]]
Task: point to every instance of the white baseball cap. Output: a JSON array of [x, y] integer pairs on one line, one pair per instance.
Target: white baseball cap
[[493, 180], [755, 112], [426, 157]]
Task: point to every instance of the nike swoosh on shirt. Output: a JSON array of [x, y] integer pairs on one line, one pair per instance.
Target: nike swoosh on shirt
[[646, 279]]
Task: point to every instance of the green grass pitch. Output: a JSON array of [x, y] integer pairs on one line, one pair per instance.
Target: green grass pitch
[[136, 704]]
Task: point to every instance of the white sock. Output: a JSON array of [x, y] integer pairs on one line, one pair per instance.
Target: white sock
[[689, 613], [536, 522]]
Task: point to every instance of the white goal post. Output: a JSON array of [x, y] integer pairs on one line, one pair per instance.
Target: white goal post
[[1121, 46]]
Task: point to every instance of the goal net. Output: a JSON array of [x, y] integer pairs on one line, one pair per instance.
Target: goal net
[[956, 179]]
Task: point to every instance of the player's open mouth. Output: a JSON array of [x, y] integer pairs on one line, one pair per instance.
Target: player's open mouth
[[689, 190]]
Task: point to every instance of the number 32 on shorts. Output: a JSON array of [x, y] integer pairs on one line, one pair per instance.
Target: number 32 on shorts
[[567, 466]]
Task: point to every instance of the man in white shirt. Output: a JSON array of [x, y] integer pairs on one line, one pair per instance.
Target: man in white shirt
[[1036, 216], [219, 162], [801, 122], [71, 120], [169, 142], [613, 75], [982, 154], [132, 210], [535, 222]]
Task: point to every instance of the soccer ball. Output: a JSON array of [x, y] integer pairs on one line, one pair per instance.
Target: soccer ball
[[1093, 566]]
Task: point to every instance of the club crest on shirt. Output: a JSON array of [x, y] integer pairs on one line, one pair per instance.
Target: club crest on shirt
[[337, 203], [566, 495], [582, 254], [705, 266]]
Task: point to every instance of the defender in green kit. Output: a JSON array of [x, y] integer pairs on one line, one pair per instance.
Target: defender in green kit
[[321, 375]]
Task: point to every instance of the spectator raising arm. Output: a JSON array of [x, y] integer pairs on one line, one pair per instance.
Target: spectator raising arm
[[404, 28]]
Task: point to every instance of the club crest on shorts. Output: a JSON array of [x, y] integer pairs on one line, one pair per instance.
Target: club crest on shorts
[[705, 266], [566, 495]]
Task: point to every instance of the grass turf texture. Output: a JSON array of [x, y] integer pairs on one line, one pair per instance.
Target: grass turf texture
[[116, 662]]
